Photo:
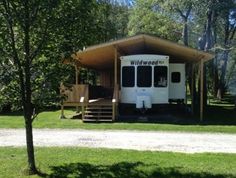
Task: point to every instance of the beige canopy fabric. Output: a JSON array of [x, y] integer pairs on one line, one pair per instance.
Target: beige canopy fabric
[[101, 56]]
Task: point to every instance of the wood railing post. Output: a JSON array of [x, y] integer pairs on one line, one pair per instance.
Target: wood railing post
[[84, 100], [113, 110], [83, 111], [62, 90], [115, 101]]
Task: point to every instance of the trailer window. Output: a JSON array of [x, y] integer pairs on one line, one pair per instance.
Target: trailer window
[[160, 76], [128, 76], [144, 76], [175, 77]]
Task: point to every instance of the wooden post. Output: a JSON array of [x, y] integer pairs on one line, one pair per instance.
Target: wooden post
[[62, 89], [115, 67], [62, 112], [83, 111], [76, 74], [76, 84], [201, 88], [114, 109], [192, 88]]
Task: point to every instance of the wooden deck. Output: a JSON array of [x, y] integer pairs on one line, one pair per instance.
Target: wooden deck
[[97, 102], [95, 110]]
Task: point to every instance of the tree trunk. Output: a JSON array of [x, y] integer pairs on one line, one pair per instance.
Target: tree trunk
[[185, 31], [28, 113], [30, 145], [205, 97], [28, 109], [208, 44], [215, 76], [221, 89]]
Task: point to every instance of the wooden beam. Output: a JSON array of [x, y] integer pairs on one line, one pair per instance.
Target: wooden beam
[[115, 65], [192, 87], [201, 88], [76, 75], [76, 84]]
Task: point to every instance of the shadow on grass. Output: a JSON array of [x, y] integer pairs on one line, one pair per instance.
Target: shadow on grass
[[123, 170], [213, 115], [216, 115], [15, 113]]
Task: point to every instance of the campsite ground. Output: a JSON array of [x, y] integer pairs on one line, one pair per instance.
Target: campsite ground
[[111, 163], [218, 119], [185, 142]]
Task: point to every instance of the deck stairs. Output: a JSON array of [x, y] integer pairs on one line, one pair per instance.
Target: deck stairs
[[99, 111]]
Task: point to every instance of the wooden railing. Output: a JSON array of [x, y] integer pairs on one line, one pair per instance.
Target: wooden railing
[[76, 95], [115, 101]]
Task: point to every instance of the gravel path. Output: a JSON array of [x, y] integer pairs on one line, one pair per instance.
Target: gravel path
[[136, 140]]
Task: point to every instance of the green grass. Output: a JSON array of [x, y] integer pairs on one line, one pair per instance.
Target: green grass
[[108, 163], [50, 119]]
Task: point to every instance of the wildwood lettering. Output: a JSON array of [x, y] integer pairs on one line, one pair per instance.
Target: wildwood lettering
[[141, 62]]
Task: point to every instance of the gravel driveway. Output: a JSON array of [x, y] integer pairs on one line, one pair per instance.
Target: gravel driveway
[[136, 140]]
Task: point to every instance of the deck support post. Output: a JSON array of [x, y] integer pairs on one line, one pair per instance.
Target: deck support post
[[201, 88], [113, 111], [76, 84], [192, 88], [62, 116], [62, 112], [114, 104], [115, 66], [83, 111]]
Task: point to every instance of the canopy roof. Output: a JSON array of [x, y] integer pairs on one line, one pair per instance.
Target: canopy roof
[[102, 56]]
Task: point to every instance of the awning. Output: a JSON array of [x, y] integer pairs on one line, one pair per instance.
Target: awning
[[102, 56]]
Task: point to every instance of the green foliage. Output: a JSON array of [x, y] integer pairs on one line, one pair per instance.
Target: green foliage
[[148, 17], [59, 29]]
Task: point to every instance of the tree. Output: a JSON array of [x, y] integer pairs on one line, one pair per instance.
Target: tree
[[150, 17], [183, 10], [75, 25], [26, 27], [228, 18]]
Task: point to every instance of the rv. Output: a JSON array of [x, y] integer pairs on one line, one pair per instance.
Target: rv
[[151, 80]]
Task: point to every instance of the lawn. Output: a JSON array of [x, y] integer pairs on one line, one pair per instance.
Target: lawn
[[108, 163], [50, 119]]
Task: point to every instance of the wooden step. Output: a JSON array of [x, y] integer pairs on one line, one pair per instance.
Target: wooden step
[[100, 104], [98, 112], [98, 116], [97, 120], [99, 107]]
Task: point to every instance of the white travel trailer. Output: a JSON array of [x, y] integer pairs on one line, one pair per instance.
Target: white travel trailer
[[148, 80]]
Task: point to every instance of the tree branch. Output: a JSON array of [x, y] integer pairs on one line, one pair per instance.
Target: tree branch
[[40, 45], [180, 13], [34, 14], [233, 33], [18, 14], [189, 10], [8, 18]]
